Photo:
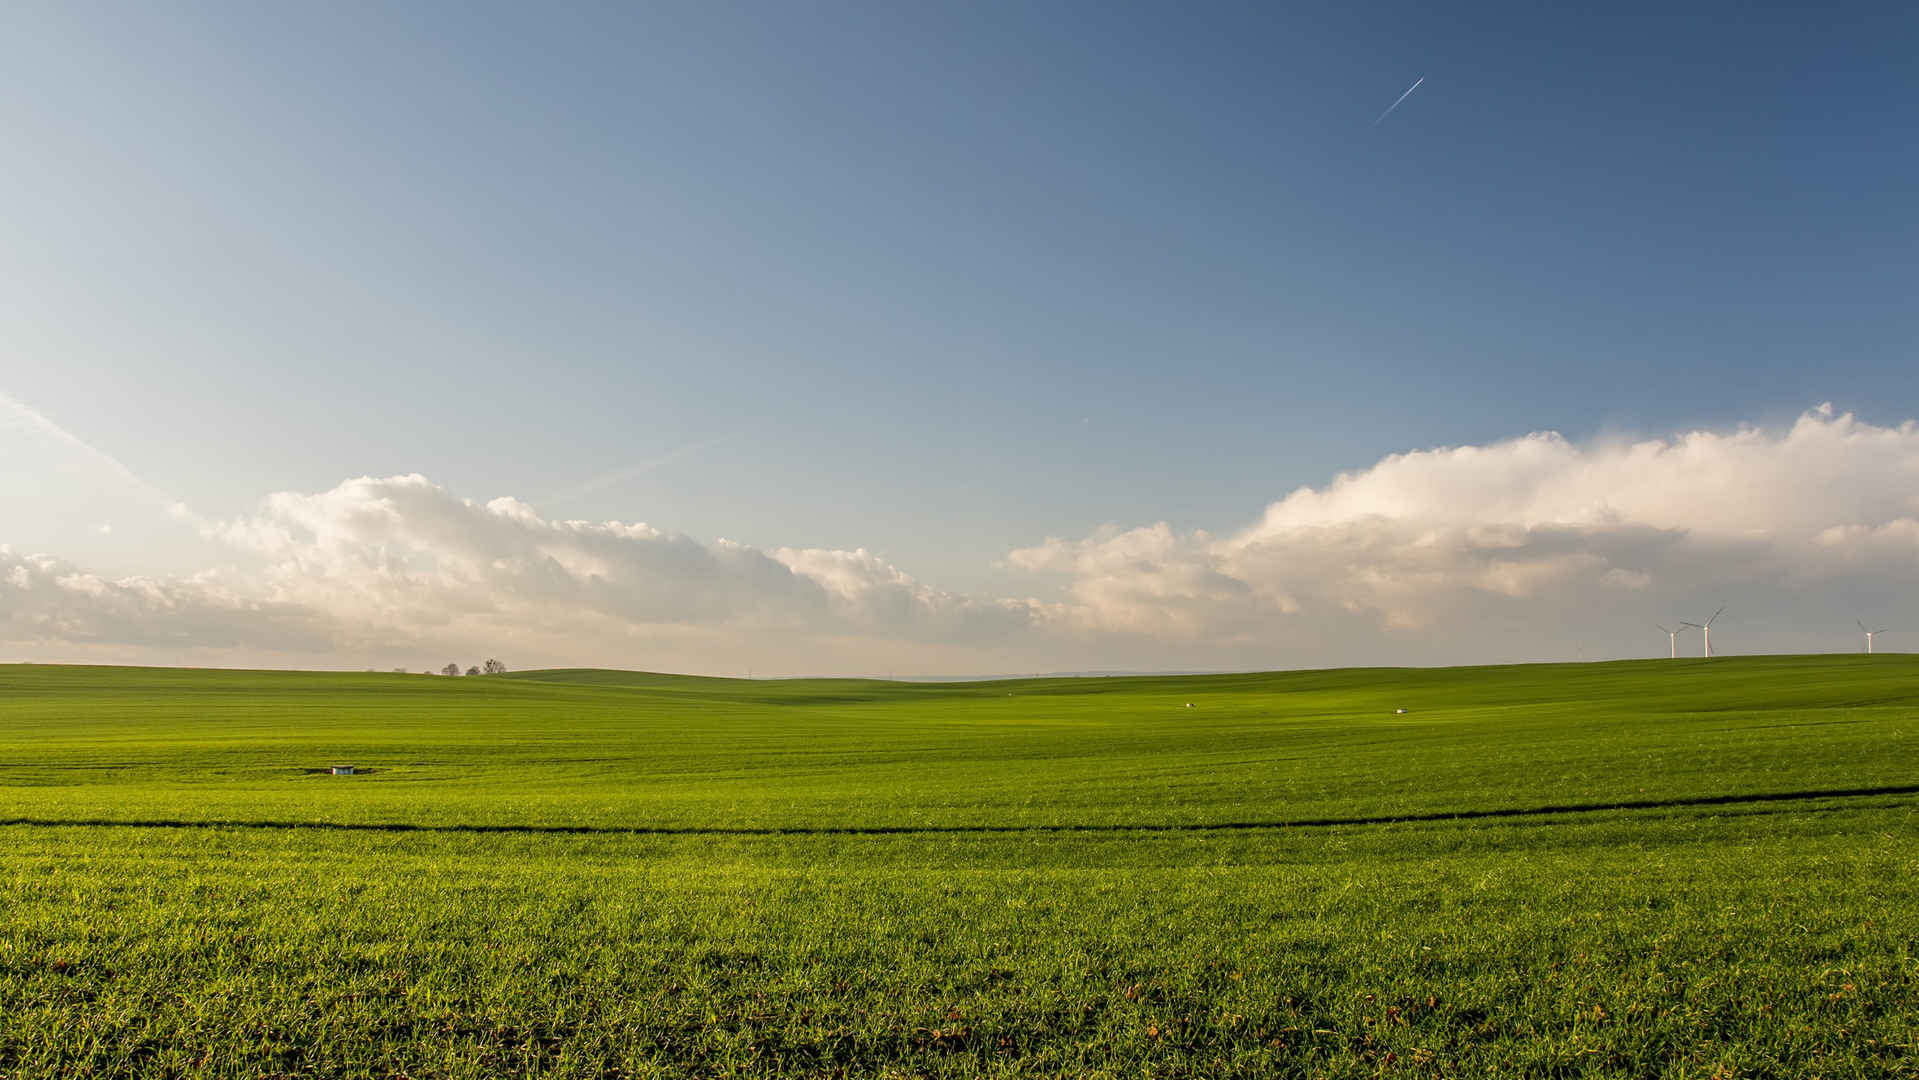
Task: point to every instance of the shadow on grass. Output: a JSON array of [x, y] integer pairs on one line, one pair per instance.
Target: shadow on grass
[[892, 830]]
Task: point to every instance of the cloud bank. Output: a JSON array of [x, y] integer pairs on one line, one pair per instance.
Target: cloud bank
[[1536, 525], [1535, 544]]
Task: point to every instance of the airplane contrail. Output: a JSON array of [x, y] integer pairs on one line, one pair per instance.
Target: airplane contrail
[[30, 417], [1402, 97], [636, 469]]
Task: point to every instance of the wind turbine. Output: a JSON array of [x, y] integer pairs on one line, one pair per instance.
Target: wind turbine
[[1869, 634], [1706, 628], [1672, 640]]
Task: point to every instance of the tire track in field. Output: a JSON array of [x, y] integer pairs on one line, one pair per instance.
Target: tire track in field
[[895, 830]]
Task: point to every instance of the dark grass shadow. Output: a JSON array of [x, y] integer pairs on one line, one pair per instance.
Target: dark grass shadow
[[1547, 811]]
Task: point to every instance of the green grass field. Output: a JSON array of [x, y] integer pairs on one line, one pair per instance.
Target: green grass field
[[1674, 868]]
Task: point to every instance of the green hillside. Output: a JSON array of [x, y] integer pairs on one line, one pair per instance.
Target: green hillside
[[1625, 869], [627, 750]]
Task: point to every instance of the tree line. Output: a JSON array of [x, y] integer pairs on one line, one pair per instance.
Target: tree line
[[491, 667]]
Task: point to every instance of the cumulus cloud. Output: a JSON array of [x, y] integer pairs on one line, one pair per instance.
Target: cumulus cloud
[[44, 600], [866, 590], [1513, 549], [379, 562], [405, 552], [1536, 522]]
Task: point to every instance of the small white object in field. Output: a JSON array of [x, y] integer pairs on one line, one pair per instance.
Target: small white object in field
[[1399, 711], [1189, 704]]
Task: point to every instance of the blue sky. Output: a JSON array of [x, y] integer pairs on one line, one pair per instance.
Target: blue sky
[[938, 283]]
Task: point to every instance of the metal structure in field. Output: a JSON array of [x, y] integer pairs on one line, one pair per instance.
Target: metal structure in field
[[1672, 640], [1706, 628], [1869, 634]]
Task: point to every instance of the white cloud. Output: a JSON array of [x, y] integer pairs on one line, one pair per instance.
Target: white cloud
[[386, 563], [1527, 548], [1545, 525], [869, 591], [46, 601], [405, 553]]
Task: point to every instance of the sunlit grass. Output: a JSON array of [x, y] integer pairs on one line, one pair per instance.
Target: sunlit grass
[[1696, 869]]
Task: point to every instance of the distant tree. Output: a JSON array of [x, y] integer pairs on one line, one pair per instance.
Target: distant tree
[[399, 671], [494, 667], [472, 671], [450, 669]]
